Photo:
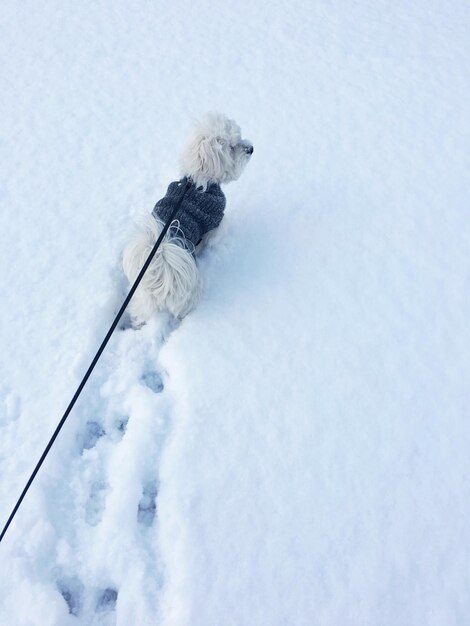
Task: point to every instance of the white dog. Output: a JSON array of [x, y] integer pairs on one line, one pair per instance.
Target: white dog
[[214, 154]]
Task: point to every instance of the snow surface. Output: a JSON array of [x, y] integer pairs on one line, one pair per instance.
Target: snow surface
[[296, 451]]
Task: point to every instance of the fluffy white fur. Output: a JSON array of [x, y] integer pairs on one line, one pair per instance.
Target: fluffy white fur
[[214, 153], [172, 280]]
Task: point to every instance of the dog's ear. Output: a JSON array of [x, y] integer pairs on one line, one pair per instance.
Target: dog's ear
[[212, 157], [205, 158]]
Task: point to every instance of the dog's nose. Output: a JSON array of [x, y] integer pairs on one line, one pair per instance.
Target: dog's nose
[[249, 149]]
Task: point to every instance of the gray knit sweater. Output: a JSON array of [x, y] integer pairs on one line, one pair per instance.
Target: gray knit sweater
[[200, 212]]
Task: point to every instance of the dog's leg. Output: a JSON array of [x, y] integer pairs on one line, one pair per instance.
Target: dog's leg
[[141, 307]]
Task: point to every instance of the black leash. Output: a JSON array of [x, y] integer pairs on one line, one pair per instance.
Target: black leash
[[97, 356]]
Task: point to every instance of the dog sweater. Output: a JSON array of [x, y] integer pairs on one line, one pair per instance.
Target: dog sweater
[[200, 212]]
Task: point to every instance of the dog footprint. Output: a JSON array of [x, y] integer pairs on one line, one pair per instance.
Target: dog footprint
[[96, 502], [106, 601], [153, 381], [125, 323], [71, 590], [148, 506], [121, 424], [90, 435]]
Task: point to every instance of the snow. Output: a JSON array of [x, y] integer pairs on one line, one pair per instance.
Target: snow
[[296, 450]]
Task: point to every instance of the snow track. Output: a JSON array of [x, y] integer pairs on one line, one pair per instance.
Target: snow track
[[103, 508]]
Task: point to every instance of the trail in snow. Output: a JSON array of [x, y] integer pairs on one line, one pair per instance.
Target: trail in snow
[[110, 484]]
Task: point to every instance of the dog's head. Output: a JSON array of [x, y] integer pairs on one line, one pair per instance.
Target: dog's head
[[215, 151]]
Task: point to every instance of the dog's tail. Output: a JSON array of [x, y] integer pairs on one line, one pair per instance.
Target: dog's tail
[[172, 280]]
